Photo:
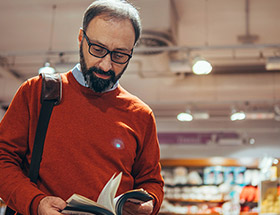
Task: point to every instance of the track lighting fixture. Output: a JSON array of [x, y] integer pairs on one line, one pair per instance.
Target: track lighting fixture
[[47, 69]]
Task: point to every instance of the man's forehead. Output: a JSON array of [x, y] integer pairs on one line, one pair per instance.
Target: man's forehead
[[117, 33]]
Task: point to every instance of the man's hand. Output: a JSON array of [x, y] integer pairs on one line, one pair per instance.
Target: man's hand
[[145, 208], [51, 205]]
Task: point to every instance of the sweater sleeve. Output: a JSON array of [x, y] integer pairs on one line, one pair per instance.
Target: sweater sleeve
[[147, 169], [15, 187]]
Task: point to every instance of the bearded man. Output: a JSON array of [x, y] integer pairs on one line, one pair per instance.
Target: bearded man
[[97, 130]]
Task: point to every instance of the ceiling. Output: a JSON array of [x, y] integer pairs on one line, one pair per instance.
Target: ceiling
[[237, 37]]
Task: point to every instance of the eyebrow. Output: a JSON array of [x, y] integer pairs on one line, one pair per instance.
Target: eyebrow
[[117, 49]]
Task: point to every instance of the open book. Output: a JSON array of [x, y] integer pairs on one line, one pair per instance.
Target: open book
[[107, 203]]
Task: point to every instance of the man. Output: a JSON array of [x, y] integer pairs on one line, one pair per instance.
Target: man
[[98, 129]]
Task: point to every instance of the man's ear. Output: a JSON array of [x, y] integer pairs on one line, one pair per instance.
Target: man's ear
[[80, 36]]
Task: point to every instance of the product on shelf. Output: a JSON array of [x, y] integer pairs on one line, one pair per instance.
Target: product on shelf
[[180, 175], [271, 201], [194, 178], [249, 194]]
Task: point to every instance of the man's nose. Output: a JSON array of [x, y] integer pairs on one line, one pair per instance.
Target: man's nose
[[106, 63]]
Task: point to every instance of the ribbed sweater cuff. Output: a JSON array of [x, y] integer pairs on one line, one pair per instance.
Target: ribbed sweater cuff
[[35, 203]]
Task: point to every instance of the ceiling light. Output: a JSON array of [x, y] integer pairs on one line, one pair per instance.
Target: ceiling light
[[237, 116], [201, 67], [47, 69], [186, 116], [252, 141], [272, 63]]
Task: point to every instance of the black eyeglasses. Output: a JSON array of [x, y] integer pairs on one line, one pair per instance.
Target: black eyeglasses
[[100, 52]]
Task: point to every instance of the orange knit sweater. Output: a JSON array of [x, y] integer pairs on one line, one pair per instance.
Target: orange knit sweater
[[90, 137]]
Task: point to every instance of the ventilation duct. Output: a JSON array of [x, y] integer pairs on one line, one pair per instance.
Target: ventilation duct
[[158, 26]]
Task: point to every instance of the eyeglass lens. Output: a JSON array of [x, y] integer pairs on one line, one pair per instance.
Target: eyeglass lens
[[99, 51]]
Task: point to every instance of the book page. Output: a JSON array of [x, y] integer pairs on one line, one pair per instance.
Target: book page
[[81, 199], [107, 195], [78, 204]]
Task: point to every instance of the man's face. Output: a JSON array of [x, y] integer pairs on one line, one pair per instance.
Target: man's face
[[114, 35]]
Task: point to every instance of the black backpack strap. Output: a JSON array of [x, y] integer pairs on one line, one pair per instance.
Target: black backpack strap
[[42, 126], [50, 96]]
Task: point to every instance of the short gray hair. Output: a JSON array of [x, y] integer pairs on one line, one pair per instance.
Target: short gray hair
[[119, 9]]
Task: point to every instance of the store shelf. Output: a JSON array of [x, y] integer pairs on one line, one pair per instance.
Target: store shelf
[[216, 161], [269, 213], [249, 213], [242, 213], [195, 201], [188, 214]]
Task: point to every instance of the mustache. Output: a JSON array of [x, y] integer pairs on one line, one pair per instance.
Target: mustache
[[93, 70]]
